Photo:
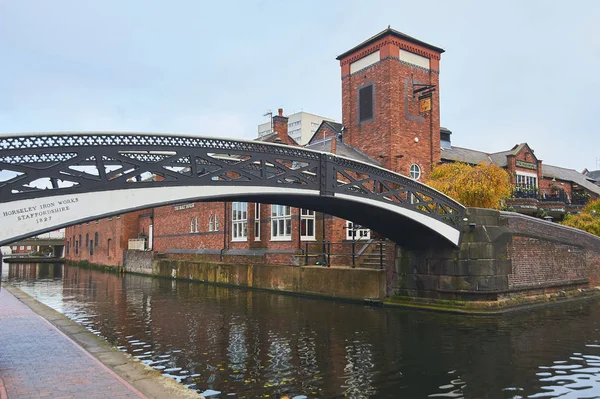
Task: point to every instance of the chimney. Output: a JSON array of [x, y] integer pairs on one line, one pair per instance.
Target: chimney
[[334, 144], [280, 125]]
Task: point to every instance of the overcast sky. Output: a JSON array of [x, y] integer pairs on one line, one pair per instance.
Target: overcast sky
[[513, 71]]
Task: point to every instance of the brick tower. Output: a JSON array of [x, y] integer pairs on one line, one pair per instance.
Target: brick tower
[[390, 101]]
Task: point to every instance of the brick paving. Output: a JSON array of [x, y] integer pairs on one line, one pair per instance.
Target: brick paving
[[39, 361]]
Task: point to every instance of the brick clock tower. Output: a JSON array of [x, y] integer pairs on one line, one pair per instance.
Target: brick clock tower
[[390, 101]]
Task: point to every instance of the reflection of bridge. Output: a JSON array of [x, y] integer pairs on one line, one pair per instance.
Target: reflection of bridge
[[48, 181]]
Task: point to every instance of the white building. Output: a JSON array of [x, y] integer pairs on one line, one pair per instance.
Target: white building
[[301, 126]]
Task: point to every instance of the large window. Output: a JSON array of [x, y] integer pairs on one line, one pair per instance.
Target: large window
[[356, 232], [239, 221], [257, 222], [526, 180], [281, 223], [307, 224], [365, 103]]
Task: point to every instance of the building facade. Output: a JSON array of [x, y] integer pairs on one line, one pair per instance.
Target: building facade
[[391, 118]]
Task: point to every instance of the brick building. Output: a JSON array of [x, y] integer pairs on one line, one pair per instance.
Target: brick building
[[390, 118]]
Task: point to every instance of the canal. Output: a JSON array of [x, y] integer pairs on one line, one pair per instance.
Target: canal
[[251, 344]]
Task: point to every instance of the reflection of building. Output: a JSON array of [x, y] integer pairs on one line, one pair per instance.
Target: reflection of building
[[301, 126], [391, 118]]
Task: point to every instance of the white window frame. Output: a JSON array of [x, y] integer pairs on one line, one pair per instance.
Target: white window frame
[[526, 179], [281, 223], [306, 216], [359, 234], [239, 221], [194, 225], [216, 222], [211, 226], [257, 221], [415, 170]]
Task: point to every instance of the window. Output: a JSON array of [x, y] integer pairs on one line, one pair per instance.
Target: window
[[87, 240], [108, 243], [80, 241], [526, 180], [194, 225], [356, 232], [239, 221], [307, 224], [29, 247], [415, 171], [216, 223], [22, 248], [281, 223], [257, 222], [211, 223], [91, 247], [365, 103], [96, 239]]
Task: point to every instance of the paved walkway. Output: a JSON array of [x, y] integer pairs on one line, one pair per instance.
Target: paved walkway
[[39, 361]]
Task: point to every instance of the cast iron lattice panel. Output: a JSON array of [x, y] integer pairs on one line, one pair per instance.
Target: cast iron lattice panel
[[42, 165]]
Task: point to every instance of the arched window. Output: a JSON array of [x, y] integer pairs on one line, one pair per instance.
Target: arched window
[[415, 171], [191, 225], [216, 223], [87, 240], [96, 239], [108, 243], [197, 225]]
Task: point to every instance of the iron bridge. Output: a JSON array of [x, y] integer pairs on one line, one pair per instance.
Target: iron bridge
[[53, 180]]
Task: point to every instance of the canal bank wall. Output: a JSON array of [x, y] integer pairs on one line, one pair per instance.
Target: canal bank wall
[[333, 282], [504, 258]]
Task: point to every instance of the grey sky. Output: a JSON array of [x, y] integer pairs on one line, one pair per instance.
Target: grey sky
[[513, 71]]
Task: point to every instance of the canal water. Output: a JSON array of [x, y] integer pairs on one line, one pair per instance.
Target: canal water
[[236, 343]]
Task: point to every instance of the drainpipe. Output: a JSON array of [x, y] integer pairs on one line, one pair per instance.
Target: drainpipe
[[224, 229]]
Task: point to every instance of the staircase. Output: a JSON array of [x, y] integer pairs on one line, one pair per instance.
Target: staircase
[[368, 255]]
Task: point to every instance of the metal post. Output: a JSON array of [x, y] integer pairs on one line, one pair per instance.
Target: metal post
[[380, 254], [328, 254], [353, 247]]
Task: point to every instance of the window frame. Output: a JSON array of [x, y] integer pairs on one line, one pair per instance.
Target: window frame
[[360, 88], [418, 169], [280, 220], [239, 221], [363, 234], [307, 215], [257, 221]]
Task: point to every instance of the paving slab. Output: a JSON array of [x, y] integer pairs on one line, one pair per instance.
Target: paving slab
[[43, 355]]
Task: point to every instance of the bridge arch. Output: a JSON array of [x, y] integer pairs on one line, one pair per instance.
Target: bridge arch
[[48, 181]]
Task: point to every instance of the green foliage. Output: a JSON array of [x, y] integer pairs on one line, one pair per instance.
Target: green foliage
[[481, 186], [588, 220]]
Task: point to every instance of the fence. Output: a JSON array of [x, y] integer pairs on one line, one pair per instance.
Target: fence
[[352, 253]]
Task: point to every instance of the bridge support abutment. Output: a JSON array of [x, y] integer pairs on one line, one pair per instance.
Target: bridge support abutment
[[503, 258]]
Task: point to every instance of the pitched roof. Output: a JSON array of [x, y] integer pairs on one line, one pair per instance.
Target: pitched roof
[[271, 138], [393, 32], [334, 126], [466, 155], [572, 175], [342, 149]]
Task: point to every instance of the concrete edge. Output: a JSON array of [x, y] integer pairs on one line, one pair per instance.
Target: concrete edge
[[483, 308], [143, 378]]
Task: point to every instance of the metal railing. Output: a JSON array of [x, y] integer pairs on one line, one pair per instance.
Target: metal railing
[[357, 253]]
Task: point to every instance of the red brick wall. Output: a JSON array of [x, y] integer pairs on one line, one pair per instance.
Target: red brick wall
[[397, 120], [539, 262], [113, 237]]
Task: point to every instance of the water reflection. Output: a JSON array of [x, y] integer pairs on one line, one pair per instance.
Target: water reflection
[[246, 344]]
